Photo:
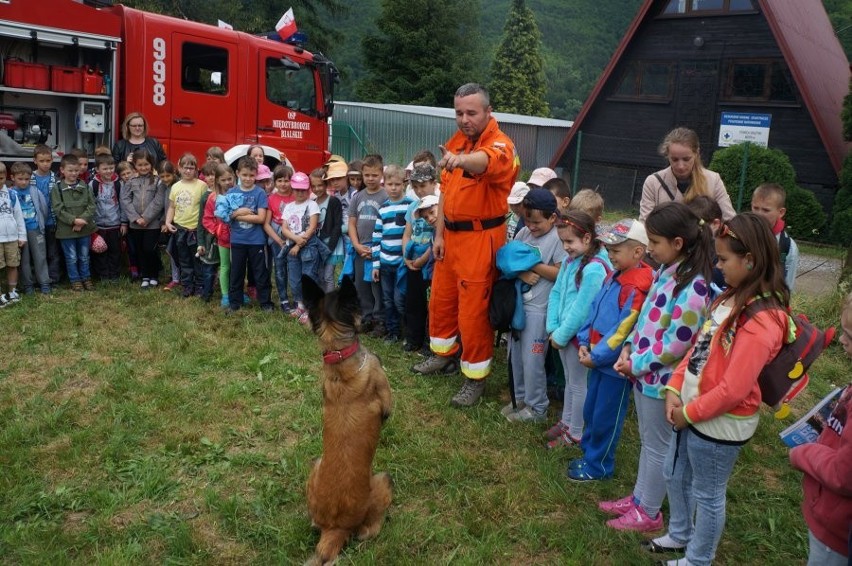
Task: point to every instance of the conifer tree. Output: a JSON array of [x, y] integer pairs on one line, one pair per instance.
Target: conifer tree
[[421, 51], [517, 72]]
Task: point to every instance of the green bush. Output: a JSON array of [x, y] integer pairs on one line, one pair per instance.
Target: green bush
[[841, 213], [804, 216], [841, 227], [764, 166]]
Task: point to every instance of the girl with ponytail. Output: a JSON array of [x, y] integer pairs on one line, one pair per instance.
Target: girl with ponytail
[[671, 317], [579, 280]]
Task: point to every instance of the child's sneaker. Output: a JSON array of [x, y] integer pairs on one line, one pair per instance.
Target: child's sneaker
[[4, 301], [170, 285], [145, 283], [13, 296], [562, 440], [226, 302], [509, 408], [297, 313], [29, 291], [88, 285], [637, 520], [556, 430], [77, 286], [619, 506], [153, 282], [526, 415], [45, 289]]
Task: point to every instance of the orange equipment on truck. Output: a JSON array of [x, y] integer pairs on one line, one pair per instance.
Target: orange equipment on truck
[[72, 70]]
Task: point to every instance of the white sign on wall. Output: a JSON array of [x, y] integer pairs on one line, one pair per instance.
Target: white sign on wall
[[736, 127]]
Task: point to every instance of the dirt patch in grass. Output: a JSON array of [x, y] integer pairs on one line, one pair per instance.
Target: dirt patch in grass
[[80, 389], [33, 378], [75, 522], [209, 536], [126, 517]]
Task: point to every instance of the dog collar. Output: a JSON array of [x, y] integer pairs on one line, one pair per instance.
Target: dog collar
[[337, 356]]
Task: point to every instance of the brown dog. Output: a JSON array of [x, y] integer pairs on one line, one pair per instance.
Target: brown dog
[[344, 497]]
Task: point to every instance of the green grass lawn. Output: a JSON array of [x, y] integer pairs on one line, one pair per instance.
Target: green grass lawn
[[137, 427]]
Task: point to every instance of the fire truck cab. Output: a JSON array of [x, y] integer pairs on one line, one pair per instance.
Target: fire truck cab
[[72, 71]]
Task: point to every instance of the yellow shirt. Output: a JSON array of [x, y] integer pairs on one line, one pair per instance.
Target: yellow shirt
[[186, 198]]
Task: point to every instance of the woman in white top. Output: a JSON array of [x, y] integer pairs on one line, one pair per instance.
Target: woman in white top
[[685, 178]]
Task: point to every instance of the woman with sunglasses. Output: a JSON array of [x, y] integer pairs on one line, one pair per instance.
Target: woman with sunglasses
[[713, 397], [134, 136]]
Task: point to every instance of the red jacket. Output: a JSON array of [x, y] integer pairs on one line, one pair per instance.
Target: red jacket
[[827, 485], [728, 381], [214, 225]]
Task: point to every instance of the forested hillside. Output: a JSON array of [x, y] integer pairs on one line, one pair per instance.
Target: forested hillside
[[578, 36], [578, 39]]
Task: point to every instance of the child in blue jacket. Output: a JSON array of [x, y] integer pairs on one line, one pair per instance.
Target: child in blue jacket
[[611, 318], [579, 280]]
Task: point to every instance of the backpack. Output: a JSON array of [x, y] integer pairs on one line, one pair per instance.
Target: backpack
[[607, 268], [501, 305], [785, 376]]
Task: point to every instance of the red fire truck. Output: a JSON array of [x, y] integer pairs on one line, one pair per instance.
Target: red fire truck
[[73, 69]]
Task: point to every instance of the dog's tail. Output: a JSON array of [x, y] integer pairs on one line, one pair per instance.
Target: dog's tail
[[330, 544]]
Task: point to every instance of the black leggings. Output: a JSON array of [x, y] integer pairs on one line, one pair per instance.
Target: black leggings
[[145, 241]]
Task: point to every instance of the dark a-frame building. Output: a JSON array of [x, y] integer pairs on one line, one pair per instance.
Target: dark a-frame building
[[694, 62]]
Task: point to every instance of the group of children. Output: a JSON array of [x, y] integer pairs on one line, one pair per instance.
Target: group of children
[[672, 336], [245, 223]]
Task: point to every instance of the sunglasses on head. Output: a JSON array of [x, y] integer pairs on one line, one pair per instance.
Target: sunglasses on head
[[726, 231]]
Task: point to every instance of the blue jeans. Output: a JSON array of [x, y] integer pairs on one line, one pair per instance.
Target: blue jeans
[[306, 262], [208, 277], [697, 473], [393, 300], [76, 252], [819, 554]]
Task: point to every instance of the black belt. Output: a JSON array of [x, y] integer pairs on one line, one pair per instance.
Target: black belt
[[474, 225]]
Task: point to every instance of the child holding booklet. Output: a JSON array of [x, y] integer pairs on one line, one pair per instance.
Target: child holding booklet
[[827, 484]]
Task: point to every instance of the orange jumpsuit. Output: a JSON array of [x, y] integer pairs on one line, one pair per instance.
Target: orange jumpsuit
[[461, 283]]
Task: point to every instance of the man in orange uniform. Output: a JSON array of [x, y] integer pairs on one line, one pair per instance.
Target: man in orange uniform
[[479, 167]]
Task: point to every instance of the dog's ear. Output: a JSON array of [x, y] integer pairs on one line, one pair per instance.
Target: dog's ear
[[313, 295], [348, 296]]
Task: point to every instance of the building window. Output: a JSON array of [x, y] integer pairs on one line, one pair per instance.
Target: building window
[[204, 68], [646, 80], [759, 80], [703, 7]]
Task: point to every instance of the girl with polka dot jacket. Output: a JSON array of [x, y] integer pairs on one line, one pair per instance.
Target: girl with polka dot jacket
[[676, 307]]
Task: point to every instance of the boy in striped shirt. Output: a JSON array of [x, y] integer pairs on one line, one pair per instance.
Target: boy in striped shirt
[[387, 249]]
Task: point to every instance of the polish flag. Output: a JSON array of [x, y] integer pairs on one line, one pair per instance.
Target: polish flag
[[286, 26]]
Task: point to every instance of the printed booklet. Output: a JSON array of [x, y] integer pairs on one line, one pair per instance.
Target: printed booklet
[[808, 428]]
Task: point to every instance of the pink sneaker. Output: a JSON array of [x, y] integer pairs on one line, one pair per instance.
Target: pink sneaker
[[637, 520], [619, 506], [556, 431]]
